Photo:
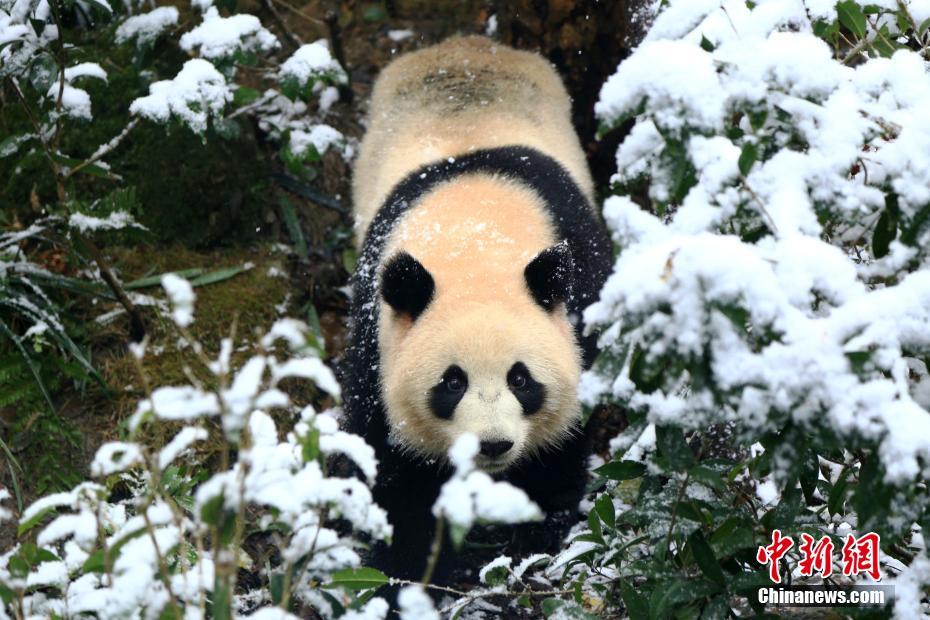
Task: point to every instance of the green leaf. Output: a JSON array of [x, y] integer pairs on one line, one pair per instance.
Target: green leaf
[[838, 493], [33, 367], [852, 17], [637, 606], [884, 43], [747, 157], [604, 506], [91, 169], [717, 609], [672, 445], [496, 576], [212, 510], [594, 523], [457, 533], [374, 13], [569, 610], [885, 231], [155, 280], [11, 144], [621, 470], [923, 27], [673, 595], [94, 563], [289, 214], [349, 259], [705, 558], [356, 579], [708, 477], [219, 275], [706, 45], [757, 119], [732, 535]]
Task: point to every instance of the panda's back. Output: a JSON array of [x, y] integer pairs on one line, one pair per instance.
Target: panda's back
[[461, 96]]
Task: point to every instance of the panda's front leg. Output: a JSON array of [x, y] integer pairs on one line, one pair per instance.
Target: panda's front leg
[[407, 492]]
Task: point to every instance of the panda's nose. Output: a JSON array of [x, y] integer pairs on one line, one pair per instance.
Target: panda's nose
[[495, 448]]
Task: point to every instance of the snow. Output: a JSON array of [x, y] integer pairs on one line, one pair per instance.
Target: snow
[[415, 604], [328, 97], [311, 61], [114, 457], [177, 403], [182, 297], [4, 513], [292, 331], [85, 69], [375, 609], [198, 92], [472, 496], [334, 441], [309, 368], [147, 27], [116, 220], [399, 35], [179, 444], [220, 37], [320, 137], [75, 102]]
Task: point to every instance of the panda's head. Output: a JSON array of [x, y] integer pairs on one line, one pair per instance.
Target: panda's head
[[504, 367]]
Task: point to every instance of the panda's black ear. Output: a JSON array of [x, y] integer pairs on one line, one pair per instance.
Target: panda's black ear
[[406, 285], [549, 275]]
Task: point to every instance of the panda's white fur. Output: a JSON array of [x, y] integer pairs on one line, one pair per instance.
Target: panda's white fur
[[479, 247]]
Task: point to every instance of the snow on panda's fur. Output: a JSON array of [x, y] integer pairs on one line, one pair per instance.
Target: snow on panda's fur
[[479, 247]]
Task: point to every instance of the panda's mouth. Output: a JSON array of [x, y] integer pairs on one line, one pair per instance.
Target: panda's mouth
[[492, 465]]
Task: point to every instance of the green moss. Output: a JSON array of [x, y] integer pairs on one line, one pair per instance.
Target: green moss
[[248, 300]]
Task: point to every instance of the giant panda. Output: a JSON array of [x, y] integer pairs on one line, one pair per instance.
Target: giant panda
[[479, 247]]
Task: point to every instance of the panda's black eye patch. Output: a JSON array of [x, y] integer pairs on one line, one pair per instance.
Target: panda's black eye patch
[[529, 392], [446, 394]]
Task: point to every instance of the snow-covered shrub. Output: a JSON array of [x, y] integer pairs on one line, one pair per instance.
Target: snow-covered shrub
[[173, 543], [52, 61], [767, 323]]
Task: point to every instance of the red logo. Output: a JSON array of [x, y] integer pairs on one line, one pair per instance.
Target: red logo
[[773, 553], [859, 555], [816, 556]]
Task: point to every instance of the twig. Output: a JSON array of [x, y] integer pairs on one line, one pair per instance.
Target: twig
[[104, 149], [35, 125], [857, 48], [434, 552], [335, 40], [470, 597], [294, 39], [298, 13], [762, 210], [136, 325]]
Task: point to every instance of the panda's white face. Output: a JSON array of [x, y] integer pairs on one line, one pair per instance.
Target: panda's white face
[[508, 374]]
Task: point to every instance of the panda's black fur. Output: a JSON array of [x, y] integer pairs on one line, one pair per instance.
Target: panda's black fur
[[407, 485]]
